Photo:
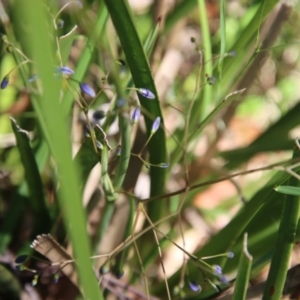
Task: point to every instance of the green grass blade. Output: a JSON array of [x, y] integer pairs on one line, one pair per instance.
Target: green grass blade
[[33, 179], [124, 125], [285, 241], [142, 78], [288, 190], [206, 99], [65, 44], [223, 37], [37, 41], [243, 276], [120, 260]]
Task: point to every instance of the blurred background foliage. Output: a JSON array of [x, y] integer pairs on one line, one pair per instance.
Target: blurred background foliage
[[225, 81]]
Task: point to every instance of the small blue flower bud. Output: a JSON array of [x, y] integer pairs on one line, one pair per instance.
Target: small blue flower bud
[[136, 115], [4, 83], [164, 165], [87, 90], [99, 145], [155, 125], [98, 114], [230, 254], [119, 274], [21, 259], [232, 53], [146, 93], [119, 150], [120, 102], [217, 270], [33, 78], [55, 278], [194, 287], [223, 279], [60, 23], [211, 80], [65, 70]]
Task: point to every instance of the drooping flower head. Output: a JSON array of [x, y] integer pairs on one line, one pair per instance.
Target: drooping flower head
[[64, 70], [155, 125], [136, 115], [146, 93], [4, 83], [88, 90], [195, 287]]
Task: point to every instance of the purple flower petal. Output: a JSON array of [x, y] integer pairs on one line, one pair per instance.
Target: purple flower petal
[[155, 125], [217, 270], [65, 70], [146, 93], [194, 287], [136, 115], [223, 279], [4, 83], [87, 90]]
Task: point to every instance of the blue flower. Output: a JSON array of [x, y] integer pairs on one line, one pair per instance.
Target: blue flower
[[64, 70], [60, 23], [223, 279], [230, 254], [98, 114], [164, 165], [217, 270], [194, 287], [146, 93], [136, 115], [211, 80], [87, 90], [4, 83], [155, 125], [33, 78]]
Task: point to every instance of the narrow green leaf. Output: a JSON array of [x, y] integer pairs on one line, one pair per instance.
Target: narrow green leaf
[[65, 43], [53, 122], [243, 276], [285, 241], [206, 99], [288, 190], [142, 78], [223, 37], [33, 179]]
